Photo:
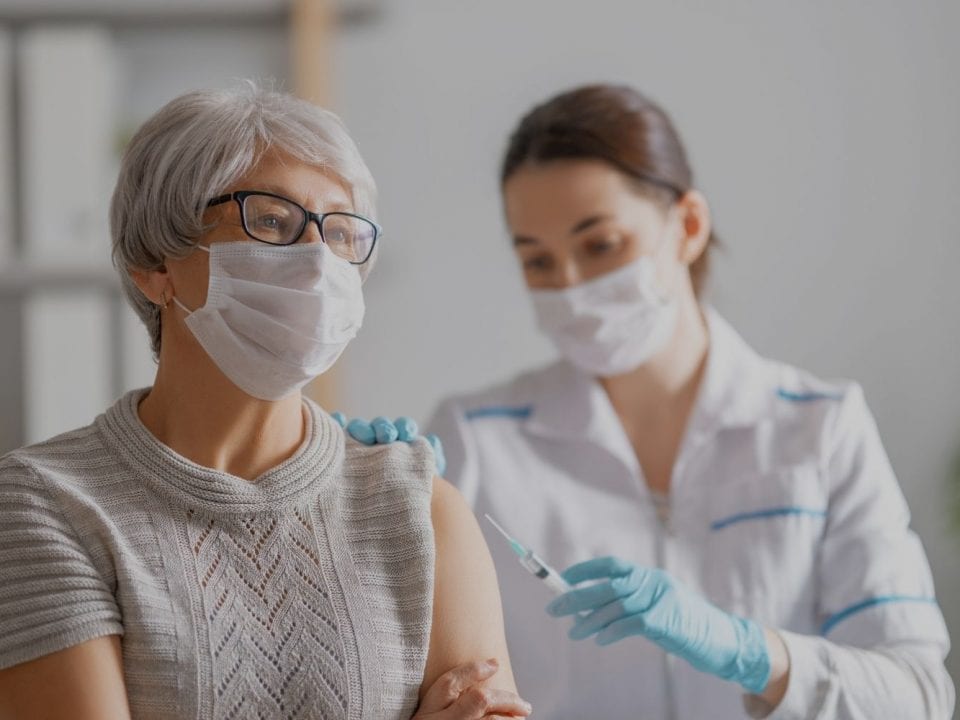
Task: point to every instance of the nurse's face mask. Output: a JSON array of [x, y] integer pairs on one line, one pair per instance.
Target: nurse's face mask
[[614, 323], [279, 313], [594, 254]]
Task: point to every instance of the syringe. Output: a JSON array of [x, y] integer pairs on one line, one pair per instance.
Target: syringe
[[533, 564]]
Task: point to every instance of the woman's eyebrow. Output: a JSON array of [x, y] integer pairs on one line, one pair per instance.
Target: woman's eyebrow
[[584, 224], [588, 223], [327, 203]]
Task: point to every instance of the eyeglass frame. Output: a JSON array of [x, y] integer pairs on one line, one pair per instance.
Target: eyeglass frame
[[241, 195]]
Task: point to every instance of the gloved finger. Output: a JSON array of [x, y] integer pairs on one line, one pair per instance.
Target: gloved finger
[[624, 627], [362, 432], [438, 453], [593, 597], [448, 687], [340, 418], [406, 429], [385, 430], [594, 622], [645, 587], [596, 569]]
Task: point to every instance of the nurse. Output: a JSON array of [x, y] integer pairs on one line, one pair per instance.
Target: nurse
[[737, 539]]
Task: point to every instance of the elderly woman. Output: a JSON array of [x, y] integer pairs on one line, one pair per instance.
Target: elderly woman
[[214, 546]]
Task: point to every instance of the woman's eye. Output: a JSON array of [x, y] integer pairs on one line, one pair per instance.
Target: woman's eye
[[336, 235], [540, 262], [272, 224], [602, 246]]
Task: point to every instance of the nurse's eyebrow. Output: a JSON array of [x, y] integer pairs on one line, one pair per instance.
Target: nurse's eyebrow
[[588, 223], [584, 224]]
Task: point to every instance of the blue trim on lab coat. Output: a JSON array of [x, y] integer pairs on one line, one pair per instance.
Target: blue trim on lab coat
[[762, 514], [519, 412], [807, 396], [839, 617]]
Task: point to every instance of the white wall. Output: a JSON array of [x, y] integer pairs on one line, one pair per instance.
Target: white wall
[[826, 136]]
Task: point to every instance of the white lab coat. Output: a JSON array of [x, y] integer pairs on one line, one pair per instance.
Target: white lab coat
[[783, 509]]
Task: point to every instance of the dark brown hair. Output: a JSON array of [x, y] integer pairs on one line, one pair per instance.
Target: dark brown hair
[[617, 125]]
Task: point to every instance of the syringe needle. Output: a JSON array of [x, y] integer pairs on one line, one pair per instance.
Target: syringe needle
[[532, 563], [518, 549], [497, 526]]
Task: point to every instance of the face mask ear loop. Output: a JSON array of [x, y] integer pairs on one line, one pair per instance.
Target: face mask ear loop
[[180, 305], [177, 302]]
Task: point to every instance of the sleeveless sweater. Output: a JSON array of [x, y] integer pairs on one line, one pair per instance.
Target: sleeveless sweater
[[305, 594]]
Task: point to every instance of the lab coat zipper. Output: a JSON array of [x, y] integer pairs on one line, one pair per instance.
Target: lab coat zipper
[[662, 534]]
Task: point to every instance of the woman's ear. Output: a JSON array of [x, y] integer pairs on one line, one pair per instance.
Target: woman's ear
[[695, 221], [154, 284]]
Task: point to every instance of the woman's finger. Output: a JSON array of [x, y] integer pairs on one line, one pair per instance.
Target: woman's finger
[[448, 687], [479, 703]]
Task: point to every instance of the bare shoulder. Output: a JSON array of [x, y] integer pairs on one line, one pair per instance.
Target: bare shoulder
[[449, 508], [462, 553], [467, 615], [83, 682]]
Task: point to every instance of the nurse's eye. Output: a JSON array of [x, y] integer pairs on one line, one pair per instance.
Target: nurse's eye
[[600, 246], [537, 263]]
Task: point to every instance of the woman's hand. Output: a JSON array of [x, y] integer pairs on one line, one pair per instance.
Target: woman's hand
[[635, 600], [460, 695]]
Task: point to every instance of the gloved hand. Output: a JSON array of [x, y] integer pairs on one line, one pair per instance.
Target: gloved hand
[[634, 600], [383, 431]]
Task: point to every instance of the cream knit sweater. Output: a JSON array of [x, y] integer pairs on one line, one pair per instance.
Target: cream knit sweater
[[305, 594]]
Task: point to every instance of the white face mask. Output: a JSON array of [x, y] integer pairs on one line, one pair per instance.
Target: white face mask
[[611, 324], [276, 317]]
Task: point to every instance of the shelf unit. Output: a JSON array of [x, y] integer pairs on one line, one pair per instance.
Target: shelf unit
[[224, 39]]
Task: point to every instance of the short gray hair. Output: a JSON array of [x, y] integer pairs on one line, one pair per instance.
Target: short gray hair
[[193, 149]]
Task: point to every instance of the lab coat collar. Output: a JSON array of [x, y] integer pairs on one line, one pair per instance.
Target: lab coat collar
[[737, 390]]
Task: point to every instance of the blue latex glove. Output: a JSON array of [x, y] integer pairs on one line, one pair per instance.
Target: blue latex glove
[[438, 453], [383, 431], [634, 600]]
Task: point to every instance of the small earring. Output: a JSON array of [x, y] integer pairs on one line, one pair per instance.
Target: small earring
[[164, 303]]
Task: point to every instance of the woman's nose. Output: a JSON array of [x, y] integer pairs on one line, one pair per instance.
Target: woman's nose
[[311, 234], [568, 274]]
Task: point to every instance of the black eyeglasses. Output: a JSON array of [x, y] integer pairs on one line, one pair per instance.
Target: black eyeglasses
[[277, 220]]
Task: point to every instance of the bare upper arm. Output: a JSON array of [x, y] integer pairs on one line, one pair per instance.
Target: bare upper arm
[[83, 682], [467, 615]]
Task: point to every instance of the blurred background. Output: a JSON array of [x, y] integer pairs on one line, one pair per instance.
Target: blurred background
[[826, 136]]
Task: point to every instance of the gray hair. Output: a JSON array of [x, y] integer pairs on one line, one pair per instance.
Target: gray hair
[[193, 149]]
